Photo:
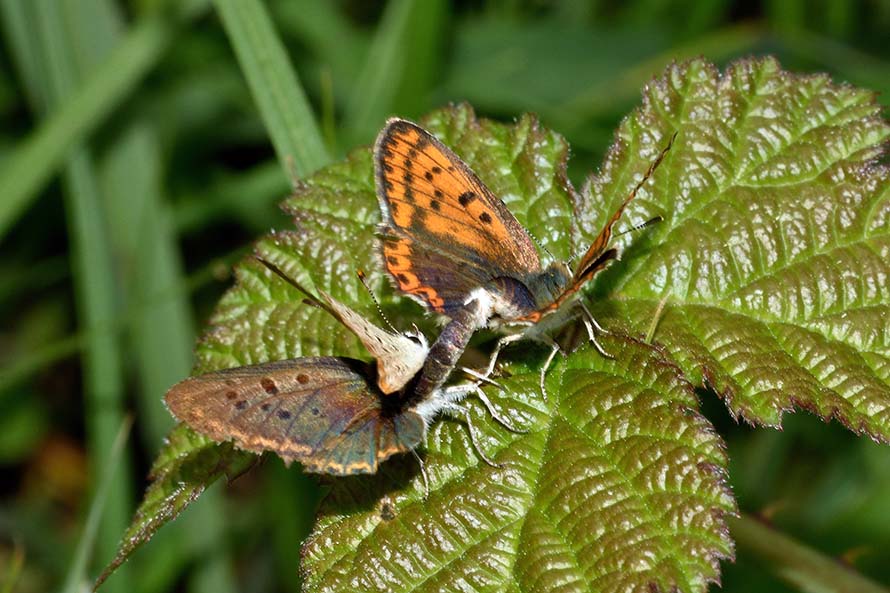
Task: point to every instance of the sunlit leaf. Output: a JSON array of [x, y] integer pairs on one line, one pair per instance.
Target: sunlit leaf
[[773, 258], [775, 253]]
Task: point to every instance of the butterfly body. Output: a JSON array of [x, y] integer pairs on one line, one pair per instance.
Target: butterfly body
[[399, 356], [449, 242], [526, 299]]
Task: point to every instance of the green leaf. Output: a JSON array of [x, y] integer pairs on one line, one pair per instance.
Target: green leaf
[[263, 319], [186, 466], [619, 483], [775, 253], [618, 486]]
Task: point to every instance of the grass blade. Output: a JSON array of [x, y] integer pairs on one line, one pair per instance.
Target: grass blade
[[409, 33], [93, 275], [274, 84], [77, 571], [38, 157], [157, 311]]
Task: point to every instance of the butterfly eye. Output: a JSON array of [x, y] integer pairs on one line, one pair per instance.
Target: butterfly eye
[[417, 337]]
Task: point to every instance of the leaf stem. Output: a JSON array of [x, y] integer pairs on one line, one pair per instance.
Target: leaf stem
[[797, 564]]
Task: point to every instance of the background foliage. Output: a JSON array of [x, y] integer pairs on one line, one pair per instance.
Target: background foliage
[[134, 168]]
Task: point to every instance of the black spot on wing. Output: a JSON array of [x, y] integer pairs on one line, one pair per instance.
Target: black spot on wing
[[466, 197]]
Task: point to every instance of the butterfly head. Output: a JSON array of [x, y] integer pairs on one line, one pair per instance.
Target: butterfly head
[[399, 358], [550, 284]]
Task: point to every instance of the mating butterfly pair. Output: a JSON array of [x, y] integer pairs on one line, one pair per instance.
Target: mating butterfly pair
[[449, 243]]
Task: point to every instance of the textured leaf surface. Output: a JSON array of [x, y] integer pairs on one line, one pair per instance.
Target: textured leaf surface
[[775, 254], [773, 258], [617, 487], [187, 465]]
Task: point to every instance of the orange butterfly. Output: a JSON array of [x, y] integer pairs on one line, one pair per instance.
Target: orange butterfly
[[448, 241]]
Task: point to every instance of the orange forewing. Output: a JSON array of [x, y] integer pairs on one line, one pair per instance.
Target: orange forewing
[[429, 193], [446, 234]]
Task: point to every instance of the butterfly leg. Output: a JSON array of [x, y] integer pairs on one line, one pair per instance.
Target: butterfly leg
[[590, 318], [592, 327], [463, 412], [426, 479], [450, 396], [554, 349], [506, 340], [482, 377], [497, 417]]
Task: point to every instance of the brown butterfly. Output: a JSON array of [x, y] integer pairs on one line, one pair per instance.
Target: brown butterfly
[[334, 415]]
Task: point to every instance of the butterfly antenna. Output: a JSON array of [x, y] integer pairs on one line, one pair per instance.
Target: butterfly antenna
[[539, 244], [642, 225], [310, 298], [363, 279], [652, 167]]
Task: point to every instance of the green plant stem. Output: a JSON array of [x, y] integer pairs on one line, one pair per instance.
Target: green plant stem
[[797, 564], [160, 324], [77, 570], [94, 281], [274, 84]]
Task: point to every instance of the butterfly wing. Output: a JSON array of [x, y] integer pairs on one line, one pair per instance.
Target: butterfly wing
[[597, 255], [446, 233], [320, 411], [399, 356]]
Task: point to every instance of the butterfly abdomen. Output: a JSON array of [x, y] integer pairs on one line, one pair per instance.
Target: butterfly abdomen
[[448, 347]]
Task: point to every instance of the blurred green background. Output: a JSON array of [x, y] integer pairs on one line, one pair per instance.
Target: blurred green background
[[135, 169]]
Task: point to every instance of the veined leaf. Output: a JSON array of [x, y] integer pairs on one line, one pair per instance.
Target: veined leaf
[[617, 486], [628, 428], [775, 254], [773, 207]]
